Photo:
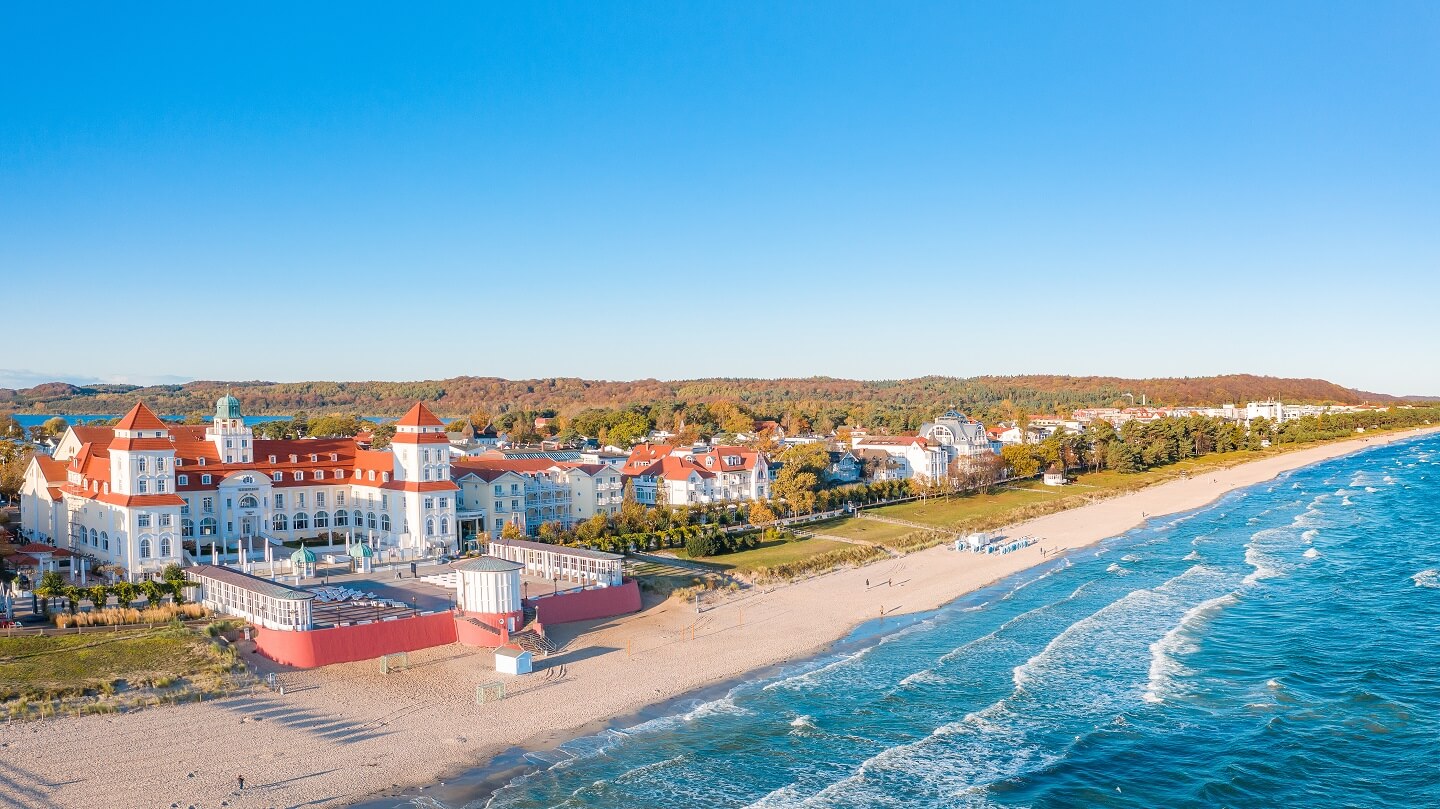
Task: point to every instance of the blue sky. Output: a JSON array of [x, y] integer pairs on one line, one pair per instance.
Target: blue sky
[[741, 189]]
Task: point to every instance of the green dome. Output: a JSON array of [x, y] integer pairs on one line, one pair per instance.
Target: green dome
[[304, 556], [227, 407], [359, 550]]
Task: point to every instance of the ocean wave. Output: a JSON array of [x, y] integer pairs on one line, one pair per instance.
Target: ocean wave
[[1117, 569], [1309, 535], [1192, 556], [1427, 578], [1164, 665], [1129, 557], [1311, 553]]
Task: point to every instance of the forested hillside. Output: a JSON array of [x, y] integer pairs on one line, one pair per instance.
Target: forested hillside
[[896, 403]]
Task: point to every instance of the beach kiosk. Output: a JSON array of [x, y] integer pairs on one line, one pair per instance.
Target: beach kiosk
[[974, 543], [488, 589], [512, 660], [302, 562]]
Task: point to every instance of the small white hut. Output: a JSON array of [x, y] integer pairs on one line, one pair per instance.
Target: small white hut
[[512, 660]]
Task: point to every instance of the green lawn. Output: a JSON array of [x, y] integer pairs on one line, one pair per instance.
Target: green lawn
[[769, 554], [955, 512], [854, 528], [36, 667]]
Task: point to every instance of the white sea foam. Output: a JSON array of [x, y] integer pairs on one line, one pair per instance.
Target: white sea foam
[[1180, 640], [1129, 557], [1312, 553], [1427, 578], [1117, 569], [1192, 556], [1310, 534]]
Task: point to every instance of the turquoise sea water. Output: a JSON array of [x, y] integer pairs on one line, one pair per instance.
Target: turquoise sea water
[[1280, 647]]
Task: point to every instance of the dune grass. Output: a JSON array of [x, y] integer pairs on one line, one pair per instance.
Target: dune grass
[[768, 554]]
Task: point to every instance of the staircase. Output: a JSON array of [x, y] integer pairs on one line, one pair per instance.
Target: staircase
[[532, 642]]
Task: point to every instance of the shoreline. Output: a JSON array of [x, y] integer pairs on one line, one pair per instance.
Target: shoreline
[[347, 735]]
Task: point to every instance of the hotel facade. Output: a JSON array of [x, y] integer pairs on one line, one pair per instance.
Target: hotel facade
[[131, 496]]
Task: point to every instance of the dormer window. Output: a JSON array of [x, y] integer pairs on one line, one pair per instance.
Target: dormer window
[[278, 476], [384, 477], [205, 480], [272, 459], [294, 459], [182, 480], [372, 474], [202, 461], [334, 456], [339, 474], [299, 475], [314, 457], [179, 462], [319, 474]]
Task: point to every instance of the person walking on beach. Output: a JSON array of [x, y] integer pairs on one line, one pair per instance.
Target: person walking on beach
[[240, 780]]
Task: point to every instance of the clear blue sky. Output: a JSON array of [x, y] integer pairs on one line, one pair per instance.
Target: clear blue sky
[[877, 190]]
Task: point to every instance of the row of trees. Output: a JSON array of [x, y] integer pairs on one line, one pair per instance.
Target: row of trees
[[52, 585]]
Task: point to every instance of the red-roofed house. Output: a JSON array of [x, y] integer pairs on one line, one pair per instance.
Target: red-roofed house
[[678, 476]]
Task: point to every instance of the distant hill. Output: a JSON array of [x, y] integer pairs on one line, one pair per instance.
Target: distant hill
[[865, 401]]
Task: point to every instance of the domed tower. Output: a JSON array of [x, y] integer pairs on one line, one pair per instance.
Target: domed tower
[[232, 439]]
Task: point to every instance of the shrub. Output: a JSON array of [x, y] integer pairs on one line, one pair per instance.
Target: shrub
[[699, 546]]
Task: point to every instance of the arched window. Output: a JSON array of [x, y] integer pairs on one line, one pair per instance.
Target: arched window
[[249, 501], [370, 519], [444, 526], [301, 522], [165, 546], [342, 518], [94, 538], [384, 522], [187, 527], [104, 540], [355, 519], [429, 526], [279, 523], [207, 527], [144, 547], [322, 519]]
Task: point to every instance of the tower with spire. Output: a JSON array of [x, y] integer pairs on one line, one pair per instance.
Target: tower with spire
[[233, 441]]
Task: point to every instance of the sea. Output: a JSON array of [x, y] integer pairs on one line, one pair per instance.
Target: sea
[[1279, 647], [28, 420]]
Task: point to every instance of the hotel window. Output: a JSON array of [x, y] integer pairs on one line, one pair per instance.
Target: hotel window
[[205, 480], [179, 462], [278, 476], [319, 499], [182, 480], [160, 485], [298, 475], [207, 505], [272, 459], [141, 486], [314, 457], [429, 503], [142, 520], [164, 520], [384, 502], [279, 500], [334, 456], [339, 474], [299, 499], [140, 464], [499, 489], [229, 443], [385, 522], [384, 477], [444, 502], [319, 474], [339, 498]]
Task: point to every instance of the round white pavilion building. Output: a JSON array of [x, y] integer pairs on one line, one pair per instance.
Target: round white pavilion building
[[488, 589]]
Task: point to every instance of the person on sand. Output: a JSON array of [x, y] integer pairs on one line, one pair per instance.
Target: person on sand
[[240, 779]]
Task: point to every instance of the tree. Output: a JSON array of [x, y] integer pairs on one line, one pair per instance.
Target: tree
[[381, 434], [14, 459], [52, 585], [701, 545], [98, 594], [173, 573], [336, 426], [1021, 459], [56, 426], [124, 592], [10, 428], [761, 513], [511, 531]]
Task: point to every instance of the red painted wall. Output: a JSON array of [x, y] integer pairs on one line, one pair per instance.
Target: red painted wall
[[472, 635], [344, 644], [582, 605]]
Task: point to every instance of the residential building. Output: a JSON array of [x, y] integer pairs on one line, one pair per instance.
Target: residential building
[[697, 475]]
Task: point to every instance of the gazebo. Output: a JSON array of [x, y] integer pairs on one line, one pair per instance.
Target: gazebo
[[302, 562], [362, 555]]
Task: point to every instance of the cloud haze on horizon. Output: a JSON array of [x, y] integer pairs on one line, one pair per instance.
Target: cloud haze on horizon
[[1137, 190]]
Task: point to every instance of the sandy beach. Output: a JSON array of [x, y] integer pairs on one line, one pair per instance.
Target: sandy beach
[[347, 733]]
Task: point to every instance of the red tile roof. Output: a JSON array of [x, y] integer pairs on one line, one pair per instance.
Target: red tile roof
[[419, 416], [140, 417]]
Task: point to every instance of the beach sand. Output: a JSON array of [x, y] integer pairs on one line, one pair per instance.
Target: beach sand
[[346, 733]]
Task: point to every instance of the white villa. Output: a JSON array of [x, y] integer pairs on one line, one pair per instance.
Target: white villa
[[928, 456]]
